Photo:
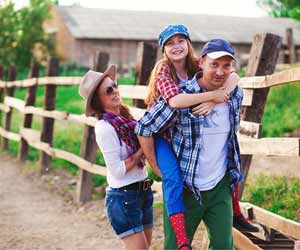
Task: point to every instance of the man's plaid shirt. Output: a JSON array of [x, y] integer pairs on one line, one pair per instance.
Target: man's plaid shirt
[[186, 133]]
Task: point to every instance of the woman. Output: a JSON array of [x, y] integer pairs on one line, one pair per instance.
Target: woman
[[129, 198]]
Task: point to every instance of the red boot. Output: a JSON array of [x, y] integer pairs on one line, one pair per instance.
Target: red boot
[[178, 224], [239, 221]]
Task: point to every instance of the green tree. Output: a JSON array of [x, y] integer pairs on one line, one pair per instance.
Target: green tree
[[21, 31], [281, 8]]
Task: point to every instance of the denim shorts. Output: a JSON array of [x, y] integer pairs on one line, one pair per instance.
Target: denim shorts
[[129, 211]]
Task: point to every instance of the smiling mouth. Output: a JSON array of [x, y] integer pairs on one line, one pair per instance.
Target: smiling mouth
[[177, 52]]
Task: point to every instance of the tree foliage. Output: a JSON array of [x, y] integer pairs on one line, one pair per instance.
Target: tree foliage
[[281, 8], [21, 32]]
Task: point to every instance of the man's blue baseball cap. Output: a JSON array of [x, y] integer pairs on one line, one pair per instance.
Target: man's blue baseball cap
[[217, 48], [171, 30]]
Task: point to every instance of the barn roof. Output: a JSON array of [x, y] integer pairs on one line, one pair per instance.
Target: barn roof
[[92, 23]]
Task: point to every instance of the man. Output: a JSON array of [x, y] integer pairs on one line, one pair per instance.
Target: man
[[206, 148]]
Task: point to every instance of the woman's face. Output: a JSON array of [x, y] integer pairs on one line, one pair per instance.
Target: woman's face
[[176, 48], [109, 94]]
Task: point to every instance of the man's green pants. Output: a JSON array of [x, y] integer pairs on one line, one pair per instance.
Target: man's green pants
[[216, 213]]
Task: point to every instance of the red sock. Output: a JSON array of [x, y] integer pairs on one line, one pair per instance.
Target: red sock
[[178, 224], [235, 201]]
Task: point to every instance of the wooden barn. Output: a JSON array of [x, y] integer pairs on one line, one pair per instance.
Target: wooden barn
[[78, 32]]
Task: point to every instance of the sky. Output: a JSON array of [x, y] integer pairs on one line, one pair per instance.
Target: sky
[[244, 8]]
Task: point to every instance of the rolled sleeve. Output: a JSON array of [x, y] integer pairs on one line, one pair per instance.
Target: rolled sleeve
[[156, 119], [166, 86]]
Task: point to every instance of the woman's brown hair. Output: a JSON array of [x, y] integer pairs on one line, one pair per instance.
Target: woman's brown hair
[[97, 106], [190, 64]]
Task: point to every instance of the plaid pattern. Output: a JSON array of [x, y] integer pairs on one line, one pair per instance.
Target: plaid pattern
[[186, 133], [164, 83]]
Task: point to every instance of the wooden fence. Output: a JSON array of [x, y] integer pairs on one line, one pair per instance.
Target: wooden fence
[[256, 84]]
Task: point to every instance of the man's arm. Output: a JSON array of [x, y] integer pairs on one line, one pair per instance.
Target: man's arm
[[147, 145]]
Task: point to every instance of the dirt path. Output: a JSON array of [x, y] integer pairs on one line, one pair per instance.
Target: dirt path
[[32, 218], [39, 213]]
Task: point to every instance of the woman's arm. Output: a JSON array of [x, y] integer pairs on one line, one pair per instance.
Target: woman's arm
[[110, 147], [132, 161]]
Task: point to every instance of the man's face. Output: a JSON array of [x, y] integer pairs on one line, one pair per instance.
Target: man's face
[[215, 71]]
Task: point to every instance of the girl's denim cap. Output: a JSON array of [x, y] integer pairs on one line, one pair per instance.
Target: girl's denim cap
[[171, 30], [217, 48]]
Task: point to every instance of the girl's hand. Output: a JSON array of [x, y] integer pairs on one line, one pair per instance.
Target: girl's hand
[[220, 95], [203, 108], [231, 82]]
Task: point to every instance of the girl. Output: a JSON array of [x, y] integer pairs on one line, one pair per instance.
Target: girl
[[129, 199]]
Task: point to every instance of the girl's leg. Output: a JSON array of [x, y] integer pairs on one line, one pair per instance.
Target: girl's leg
[[172, 188], [136, 241]]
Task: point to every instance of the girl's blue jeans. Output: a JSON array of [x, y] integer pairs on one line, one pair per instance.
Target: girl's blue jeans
[[172, 182]]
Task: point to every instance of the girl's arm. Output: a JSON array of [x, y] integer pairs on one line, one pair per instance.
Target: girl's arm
[[231, 82], [206, 107], [170, 91]]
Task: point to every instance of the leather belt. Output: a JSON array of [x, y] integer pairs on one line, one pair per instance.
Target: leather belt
[[140, 185]]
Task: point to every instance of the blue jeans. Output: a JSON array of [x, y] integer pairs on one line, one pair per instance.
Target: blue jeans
[[172, 183], [129, 211]]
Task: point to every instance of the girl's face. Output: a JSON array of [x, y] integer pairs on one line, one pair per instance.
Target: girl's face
[[109, 94], [176, 48]]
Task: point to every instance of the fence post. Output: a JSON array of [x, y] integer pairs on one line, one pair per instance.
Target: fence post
[[1, 92], [88, 147], [290, 45], [263, 57], [146, 58], [12, 73], [48, 123], [29, 101]]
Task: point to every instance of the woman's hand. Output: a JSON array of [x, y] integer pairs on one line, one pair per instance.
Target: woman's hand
[[134, 160], [203, 108]]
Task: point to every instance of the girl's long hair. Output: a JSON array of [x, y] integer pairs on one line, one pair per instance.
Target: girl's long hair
[[190, 65], [97, 107]]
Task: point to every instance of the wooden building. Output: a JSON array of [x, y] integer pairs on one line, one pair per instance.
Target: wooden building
[[78, 32]]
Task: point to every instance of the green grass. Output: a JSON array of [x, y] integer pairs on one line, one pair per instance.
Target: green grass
[[282, 113], [281, 116], [67, 135], [280, 195]]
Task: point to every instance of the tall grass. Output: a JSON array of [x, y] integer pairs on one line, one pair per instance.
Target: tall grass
[[280, 195], [282, 113]]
